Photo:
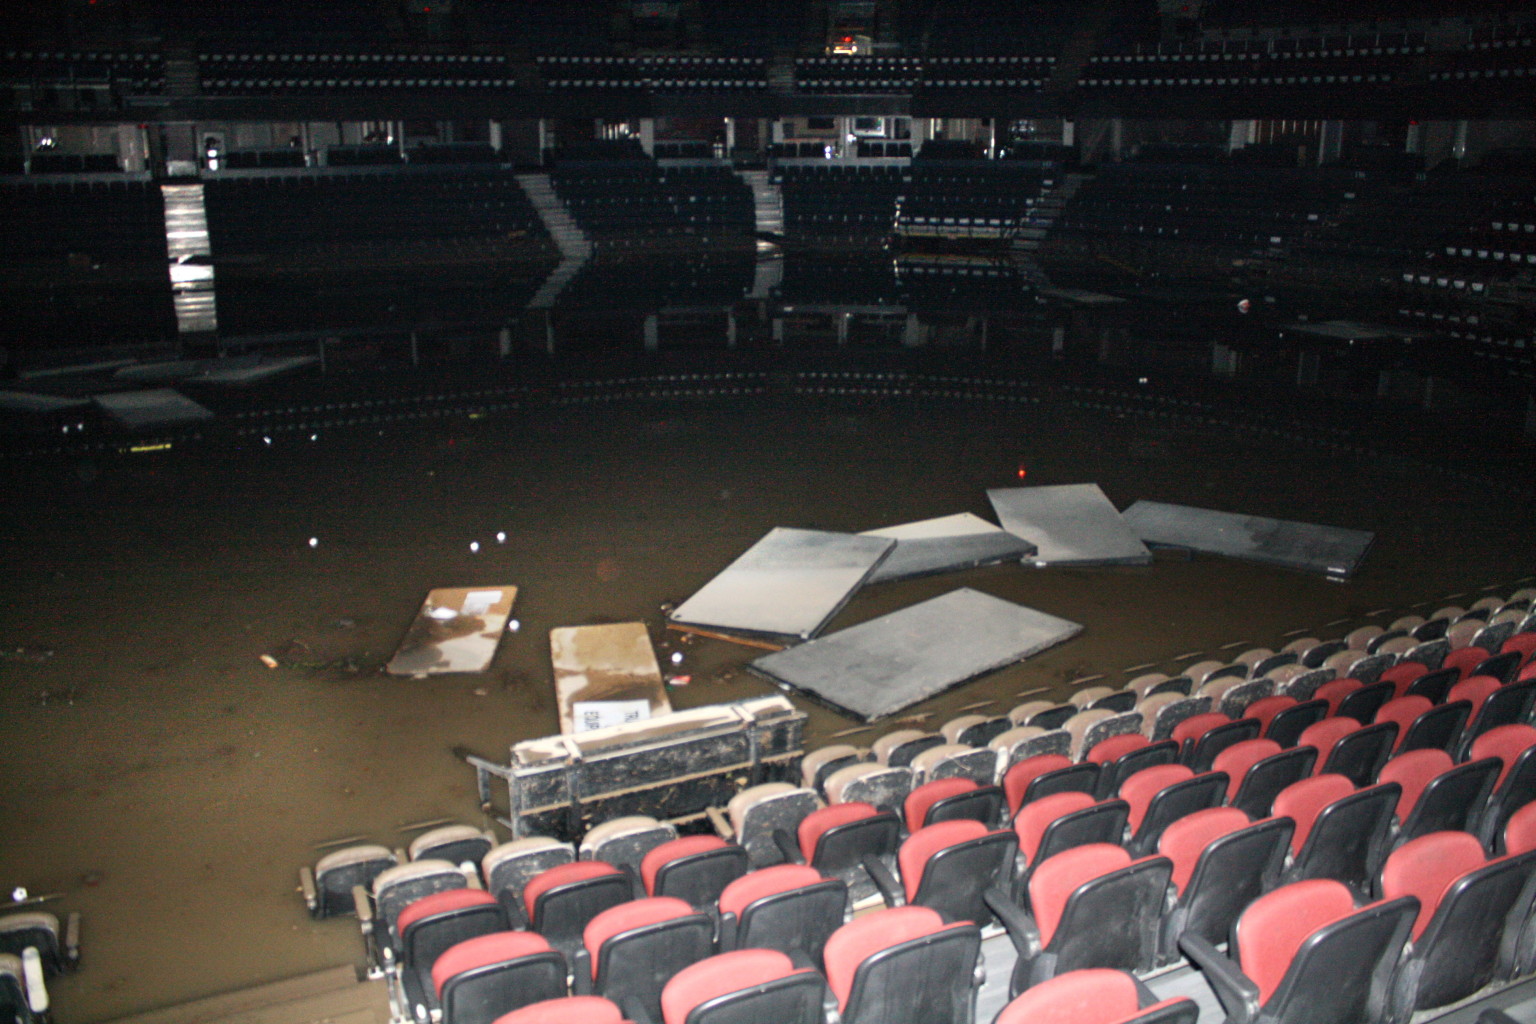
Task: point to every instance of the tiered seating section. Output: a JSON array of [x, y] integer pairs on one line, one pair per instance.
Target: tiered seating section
[[1359, 812], [87, 263], [121, 74], [980, 199], [831, 203], [1227, 207], [468, 213], [1367, 59], [633, 203], [1495, 55], [328, 74], [676, 280], [101, 219]]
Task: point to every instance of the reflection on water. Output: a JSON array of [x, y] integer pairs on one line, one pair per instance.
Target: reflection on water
[[741, 310]]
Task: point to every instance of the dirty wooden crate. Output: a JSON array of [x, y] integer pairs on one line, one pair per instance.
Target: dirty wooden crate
[[672, 767]]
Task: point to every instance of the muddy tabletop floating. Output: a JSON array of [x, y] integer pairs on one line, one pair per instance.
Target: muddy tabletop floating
[[1071, 524], [606, 675], [945, 544], [456, 630], [787, 585], [879, 667], [1330, 550]]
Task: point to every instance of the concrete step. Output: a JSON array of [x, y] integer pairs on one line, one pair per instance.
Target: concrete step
[[334, 996]]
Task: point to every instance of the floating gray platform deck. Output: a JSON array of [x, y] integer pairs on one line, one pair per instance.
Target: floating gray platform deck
[[945, 544], [787, 585], [1330, 550], [1071, 524], [878, 667], [157, 407]]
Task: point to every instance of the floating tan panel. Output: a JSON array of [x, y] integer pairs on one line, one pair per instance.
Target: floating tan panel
[[606, 675], [457, 629]]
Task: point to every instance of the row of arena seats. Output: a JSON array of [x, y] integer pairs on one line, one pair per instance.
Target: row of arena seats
[[985, 198], [655, 74], [119, 220], [480, 209], [908, 74], [324, 73], [635, 201], [34, 948], [1093, 847]]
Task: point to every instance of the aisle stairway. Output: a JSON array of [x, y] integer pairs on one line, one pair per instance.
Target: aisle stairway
[[575, 248], [767, 202]]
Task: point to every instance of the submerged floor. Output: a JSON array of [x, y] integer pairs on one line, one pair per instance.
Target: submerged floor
[[168, 784]]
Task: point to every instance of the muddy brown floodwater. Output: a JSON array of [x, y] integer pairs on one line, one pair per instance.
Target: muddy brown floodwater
[[168, 784]]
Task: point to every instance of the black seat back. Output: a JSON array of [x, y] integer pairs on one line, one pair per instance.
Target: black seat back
[[484, 994], [1359, 756], [698, 878], [1234, 870], [1202, 753], [1348, 838], [1452, 801], [1114, 920], [1508, 705], [638, 963], [842, 848], [1362, 704], [1341, 972], [929, 979], [1471, 937], [1174, 802], [1153, 754], [1438, 728], [801, 919], [1289, 723], [793, 999], [983, 804], [955, 877], [1433, 685], [1262, 783], [1082, 777], [1517, 790]]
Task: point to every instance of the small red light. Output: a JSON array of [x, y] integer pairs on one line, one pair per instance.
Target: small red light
[[1023, 472]]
